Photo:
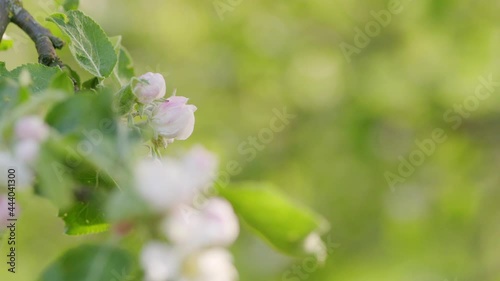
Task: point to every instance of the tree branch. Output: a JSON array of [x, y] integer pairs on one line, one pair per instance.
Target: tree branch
[[4, 17], [45, 42]]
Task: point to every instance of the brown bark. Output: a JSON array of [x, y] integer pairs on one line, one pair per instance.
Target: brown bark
[[45, 42]]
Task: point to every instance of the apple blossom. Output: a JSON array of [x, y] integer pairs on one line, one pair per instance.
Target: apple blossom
[[215, 224], [151, 86], [26, 151], [163, 183], [170, 181], [31, 127], [203, 163], [211, 265], [314, 245], [24, 175], [174, 118], [159, 261]]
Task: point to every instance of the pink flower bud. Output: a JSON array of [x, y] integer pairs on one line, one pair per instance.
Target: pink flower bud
[[174, 119], [215, 224], [150, 87], [31, 127]]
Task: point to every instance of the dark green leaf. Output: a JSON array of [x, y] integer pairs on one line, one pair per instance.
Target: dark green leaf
[[87, 215], [91, 84], [90, 262], [73, 75]]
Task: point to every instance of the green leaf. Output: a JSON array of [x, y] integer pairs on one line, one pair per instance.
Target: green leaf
[[8, 95], [84, 113], [125, 100], [282, 223], [87, 215], [116, 41], [89, 44], [41, 75], [54, 177], [90, 262], [3, 69], [75, 78], [89, 120], [124, 70], [7, 43], [126, 204], [91, 84], [71, 4], [76, 180], [9, 98], [62, 82]]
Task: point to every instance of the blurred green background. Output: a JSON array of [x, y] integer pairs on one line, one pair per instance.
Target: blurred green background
[[353, 120]]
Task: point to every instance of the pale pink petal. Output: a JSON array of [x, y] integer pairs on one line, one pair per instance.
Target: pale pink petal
[[151, 86]]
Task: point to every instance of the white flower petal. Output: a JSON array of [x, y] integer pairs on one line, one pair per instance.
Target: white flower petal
[[160, 262], [214, 265], [214, 225]]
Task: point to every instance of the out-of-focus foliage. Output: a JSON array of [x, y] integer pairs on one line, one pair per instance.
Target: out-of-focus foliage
[[89, 185], [353, 122]]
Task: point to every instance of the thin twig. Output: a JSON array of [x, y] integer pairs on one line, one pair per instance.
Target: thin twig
[[4, 17], [45, 42]]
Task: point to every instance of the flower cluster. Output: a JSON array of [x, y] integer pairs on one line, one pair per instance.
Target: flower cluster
[[196, 237], [189, 244], [194, 240], [170, 118], [29, 132]]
